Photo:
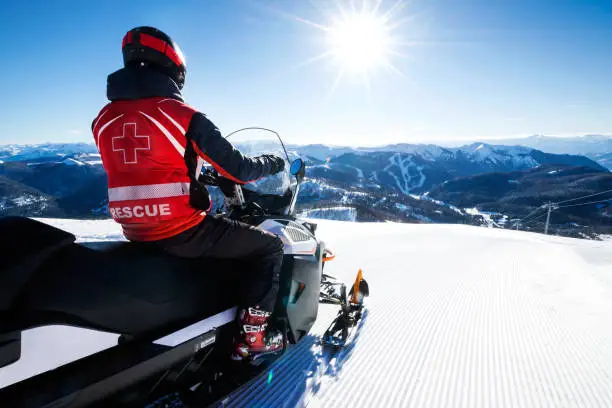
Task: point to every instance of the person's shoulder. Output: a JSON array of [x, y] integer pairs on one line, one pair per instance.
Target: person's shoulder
[[104, 109], [176, 104], [178, 110]]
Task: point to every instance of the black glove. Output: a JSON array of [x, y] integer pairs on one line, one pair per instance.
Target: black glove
[[275, 163]]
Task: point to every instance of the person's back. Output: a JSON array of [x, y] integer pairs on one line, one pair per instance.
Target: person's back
[[142, 144], [153, 147]]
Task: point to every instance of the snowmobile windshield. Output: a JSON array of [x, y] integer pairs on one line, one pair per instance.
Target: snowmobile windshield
[[254, 142]]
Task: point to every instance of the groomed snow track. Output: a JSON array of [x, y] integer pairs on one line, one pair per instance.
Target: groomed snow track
[[457, 317]]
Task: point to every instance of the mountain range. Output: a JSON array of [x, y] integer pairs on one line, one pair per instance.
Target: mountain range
[[596, 147], [478, 183]]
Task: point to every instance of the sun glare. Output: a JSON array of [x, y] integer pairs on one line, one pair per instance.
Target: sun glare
[[359, 42]]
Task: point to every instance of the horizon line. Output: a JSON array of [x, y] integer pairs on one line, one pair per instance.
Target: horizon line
[[483, 139]]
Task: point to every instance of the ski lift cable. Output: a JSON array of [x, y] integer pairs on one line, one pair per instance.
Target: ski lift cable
[[530, 214], [580, 198], [534, 219], [567, 201], [591, 202]]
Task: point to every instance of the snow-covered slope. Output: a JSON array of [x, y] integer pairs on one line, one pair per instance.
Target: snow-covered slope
[[331, 213], [458, 317]]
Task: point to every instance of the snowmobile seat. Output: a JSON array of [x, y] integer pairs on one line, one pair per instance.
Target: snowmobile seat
[[119, 287], [24, 246]]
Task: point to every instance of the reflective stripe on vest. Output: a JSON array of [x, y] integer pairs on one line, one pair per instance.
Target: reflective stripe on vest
[[148, 191]]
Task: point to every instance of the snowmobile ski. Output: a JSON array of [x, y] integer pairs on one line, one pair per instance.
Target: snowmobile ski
[[342, 329]]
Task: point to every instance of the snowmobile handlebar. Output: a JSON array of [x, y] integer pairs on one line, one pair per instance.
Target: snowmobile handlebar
[[237, 196], [211, 177], [243, 199]]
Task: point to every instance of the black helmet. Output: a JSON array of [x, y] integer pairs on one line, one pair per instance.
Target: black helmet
[[148, 46]]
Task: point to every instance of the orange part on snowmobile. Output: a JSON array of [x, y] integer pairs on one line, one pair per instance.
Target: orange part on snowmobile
[[328, 255], [355, 297]]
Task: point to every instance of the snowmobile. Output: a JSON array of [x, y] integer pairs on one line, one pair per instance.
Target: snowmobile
[[174, 317]]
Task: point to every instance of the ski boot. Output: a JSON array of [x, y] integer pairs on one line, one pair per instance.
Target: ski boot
[[255, 337]]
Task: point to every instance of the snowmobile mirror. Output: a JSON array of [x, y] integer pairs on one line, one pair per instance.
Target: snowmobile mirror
[[298, 169]]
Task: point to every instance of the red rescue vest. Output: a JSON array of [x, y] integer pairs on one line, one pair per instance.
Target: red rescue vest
[[142, 144]]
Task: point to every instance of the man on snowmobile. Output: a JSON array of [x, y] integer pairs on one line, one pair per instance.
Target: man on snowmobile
[[153, 147]]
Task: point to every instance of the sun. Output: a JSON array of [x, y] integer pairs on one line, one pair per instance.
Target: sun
[[359, 42]]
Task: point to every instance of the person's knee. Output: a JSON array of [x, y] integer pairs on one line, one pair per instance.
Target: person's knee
[[278, 244], [275, 245], [276, 248]]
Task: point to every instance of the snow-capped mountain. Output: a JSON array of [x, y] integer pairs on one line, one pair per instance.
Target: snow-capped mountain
[[596, 147], [605, 159], [587, 144], [47, 151], [417, 168]]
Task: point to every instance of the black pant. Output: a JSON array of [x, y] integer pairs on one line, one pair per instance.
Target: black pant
[[222, 238]]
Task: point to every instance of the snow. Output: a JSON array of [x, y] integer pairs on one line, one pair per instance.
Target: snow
[[403, 207], [27, 200], [359, 172], [432, 152], [379, 202], [323, 152], [488, 217], [72, 162], [517, 156], [405, 181], [88, 230], [331, 213], [92, 159], [322, 190], [410, 211], [45, 150], [426, 197], [458, 316]]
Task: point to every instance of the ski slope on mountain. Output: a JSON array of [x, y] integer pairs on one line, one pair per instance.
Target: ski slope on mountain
[[458, 317]]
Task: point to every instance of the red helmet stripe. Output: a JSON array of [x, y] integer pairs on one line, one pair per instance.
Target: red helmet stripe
[[174, 56], [152, 42], [127, 39], [157, 44]]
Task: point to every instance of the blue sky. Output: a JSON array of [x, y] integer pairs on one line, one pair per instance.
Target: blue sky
[[469, 69]]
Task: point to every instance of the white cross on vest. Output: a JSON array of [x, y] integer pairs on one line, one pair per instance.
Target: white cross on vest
[[130, 143]]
